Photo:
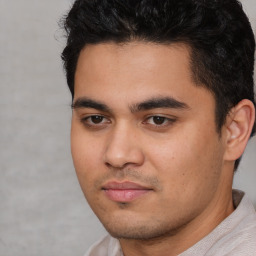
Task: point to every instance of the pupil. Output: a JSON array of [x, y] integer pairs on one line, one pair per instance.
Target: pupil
[[97, 119], [159, 120]]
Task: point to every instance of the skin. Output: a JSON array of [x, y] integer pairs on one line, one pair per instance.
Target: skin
[[182, 161]]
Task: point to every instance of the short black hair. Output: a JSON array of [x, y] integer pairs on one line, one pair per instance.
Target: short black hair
[[218, 33]]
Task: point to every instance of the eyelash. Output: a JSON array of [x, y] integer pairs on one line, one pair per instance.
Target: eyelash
[[87, 121], [166, 121]]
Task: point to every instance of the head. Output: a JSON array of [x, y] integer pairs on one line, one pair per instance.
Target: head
[[194, 57], [217, 32]]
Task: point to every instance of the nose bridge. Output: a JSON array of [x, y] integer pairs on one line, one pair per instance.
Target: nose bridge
[[123, 146]]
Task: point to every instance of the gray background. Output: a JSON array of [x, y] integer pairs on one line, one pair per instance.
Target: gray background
[[42, 210]]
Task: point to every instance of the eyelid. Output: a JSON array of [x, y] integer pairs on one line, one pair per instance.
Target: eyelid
[[87, 123], [168, 120]]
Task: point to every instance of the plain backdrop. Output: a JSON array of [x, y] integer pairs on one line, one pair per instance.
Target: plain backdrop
[[42, 209]]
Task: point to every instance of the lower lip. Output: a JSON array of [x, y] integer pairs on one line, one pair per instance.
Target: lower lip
[[124, 195]]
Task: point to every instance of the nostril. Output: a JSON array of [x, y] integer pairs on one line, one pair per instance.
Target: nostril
[[108, 165], [116, 165]]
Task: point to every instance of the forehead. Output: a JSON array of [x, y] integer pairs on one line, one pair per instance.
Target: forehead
[[135, 71], [140, 59]]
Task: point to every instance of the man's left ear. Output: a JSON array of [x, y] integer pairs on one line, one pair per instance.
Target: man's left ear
[[239, 125]]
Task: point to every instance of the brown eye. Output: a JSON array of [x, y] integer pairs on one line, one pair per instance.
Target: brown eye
[[158, 120], [96, 119]]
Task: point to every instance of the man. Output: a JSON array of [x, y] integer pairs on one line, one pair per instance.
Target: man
[[163, 107]]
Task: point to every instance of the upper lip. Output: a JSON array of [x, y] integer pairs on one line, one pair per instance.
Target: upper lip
[[124, 186]]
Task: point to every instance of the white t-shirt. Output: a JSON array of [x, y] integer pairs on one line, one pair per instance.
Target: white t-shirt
[[234, 236]]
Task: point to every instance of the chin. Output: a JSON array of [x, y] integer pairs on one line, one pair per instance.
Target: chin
[[139, 231]]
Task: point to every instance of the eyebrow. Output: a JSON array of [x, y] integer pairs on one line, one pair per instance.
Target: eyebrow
[[89, 103], [159, 102], [156, 102]]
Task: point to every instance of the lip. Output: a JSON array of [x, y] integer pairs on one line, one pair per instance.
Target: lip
[[124, 191]]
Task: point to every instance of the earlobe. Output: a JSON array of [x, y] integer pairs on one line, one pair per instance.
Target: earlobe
[[239, 125]]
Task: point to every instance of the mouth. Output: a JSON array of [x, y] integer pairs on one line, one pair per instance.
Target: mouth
[[124, 191]]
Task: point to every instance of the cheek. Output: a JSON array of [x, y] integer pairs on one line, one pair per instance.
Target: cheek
[[85, 158], [187, 176], [85, 153], [172, 153], [185, 161]]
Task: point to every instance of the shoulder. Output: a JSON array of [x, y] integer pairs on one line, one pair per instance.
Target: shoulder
[[240, 240], [107, 246], [234, 236]]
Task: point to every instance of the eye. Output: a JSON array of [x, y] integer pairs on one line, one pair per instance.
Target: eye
[[95, 120], [159, 121]]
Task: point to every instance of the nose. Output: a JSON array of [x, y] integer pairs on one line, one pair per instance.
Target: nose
[[123, 148]]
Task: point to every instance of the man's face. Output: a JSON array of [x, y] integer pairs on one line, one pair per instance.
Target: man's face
[[144, 140]]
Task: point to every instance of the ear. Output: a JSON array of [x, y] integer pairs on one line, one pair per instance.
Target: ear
[[239, 125]]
